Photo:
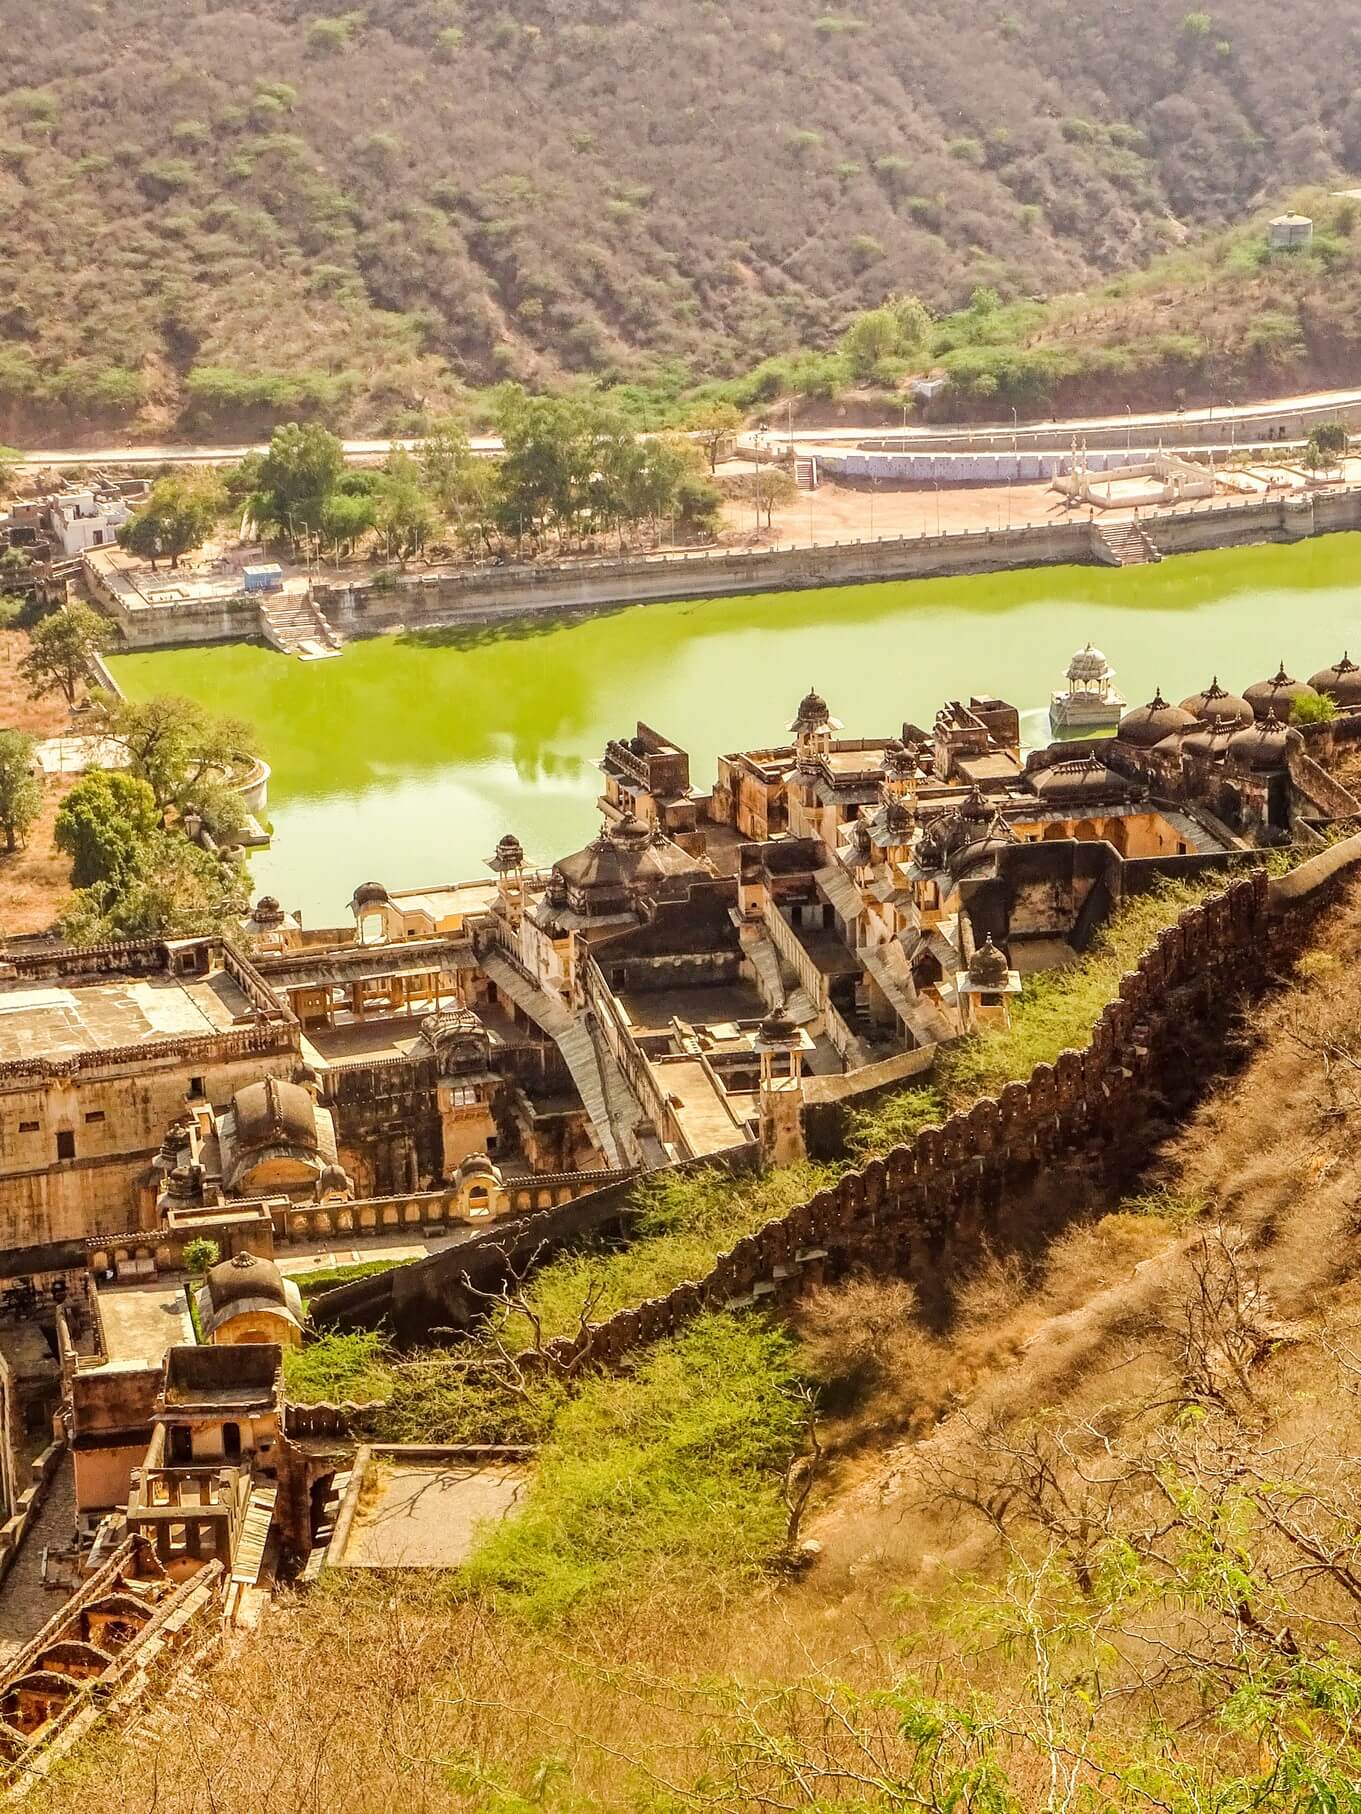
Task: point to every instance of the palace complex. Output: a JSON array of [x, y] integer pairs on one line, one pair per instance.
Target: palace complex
[[713, 966]]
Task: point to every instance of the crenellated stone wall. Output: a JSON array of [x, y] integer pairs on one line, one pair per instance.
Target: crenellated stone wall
[[928, 1207]]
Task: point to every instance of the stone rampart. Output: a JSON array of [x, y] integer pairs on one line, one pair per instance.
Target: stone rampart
[[927, 1207]]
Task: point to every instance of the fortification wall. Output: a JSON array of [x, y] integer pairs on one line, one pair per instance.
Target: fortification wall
[[930, 1206]]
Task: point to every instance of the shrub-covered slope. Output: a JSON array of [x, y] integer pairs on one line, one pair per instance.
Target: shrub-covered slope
[[214, 211]]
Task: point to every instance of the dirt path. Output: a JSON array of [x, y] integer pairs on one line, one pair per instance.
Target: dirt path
[[25, 1604], [34, 881]]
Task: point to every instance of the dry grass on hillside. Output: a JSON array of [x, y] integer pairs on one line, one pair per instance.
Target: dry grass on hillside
[[1085, 1543], [35, 880]]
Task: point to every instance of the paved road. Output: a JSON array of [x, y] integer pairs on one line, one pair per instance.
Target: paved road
[[128, 454], [1162, 428], [1266, 410]]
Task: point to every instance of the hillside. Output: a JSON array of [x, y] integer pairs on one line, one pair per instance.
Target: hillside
[[1093, 1545], [216, 212]]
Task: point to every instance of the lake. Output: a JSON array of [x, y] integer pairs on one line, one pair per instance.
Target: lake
[[406, 759]]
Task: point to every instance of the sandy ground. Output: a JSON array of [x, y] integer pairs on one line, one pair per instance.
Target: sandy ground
[[841, 513], [36, 880]]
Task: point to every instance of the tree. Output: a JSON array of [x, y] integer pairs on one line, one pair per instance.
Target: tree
[[176, 518], [9, 466], [21, 792], [105, 826], [289, 487], [61, 649], [870, 341], [914, 322], [713, 424], [177, 891], [1327, 445], [351, 512], [461, 483], [405, 518], [173, 744], [769, 489], [199, 1254]]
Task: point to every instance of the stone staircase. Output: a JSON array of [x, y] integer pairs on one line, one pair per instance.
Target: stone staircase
[[758, 945], [294, 624], [1124, 545], [605, 1098]]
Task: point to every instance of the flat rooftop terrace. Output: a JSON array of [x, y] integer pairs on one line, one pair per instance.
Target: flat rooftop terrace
[[396, 1036], [653, 1010], [45, 1019], [141, 1321], [427, 1514]]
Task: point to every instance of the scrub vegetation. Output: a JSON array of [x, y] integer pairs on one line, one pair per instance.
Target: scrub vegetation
[[1092, 1546], [213, 217], [1056, 1011], [685, 1219]]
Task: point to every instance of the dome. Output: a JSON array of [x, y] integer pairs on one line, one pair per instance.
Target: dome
[[1214, 703], [964, 826], [369, 894], [508, 856], [777, 1032], [1212, 740], [268, 912], [245, 1276], [1341, 682], [1075, 782], [1277, 695], [1089, 665], [977, 851], [899, 761], [335, 1179], [988, 967], [1262, 746], [478, 1165], [812, 714], [1148, 725], [271, 1114], [307, 1076], [898, 817], [631, 831], [626, 854]]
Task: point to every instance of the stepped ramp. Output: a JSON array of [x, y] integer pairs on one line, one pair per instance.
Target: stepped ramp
[[602, 1096], [1124, 545]]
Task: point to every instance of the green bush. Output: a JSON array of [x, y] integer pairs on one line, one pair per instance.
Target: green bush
[[664, 1479], [685, 1220], [327, 37], [200, 1254], [336, 1367], [1320, 709], [1056, 1012], [327, 1278]]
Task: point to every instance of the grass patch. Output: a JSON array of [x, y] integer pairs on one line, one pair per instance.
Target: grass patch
[[659, 1479], [1056, 1012], [309, 1283], [686, 1219], [337, 1367]]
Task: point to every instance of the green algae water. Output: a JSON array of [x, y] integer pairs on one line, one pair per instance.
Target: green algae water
[[405, 760]]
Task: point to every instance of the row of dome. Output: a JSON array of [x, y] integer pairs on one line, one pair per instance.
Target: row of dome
[[1276, 698]]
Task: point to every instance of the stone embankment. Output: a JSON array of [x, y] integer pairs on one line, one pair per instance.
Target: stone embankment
[[368, 607]]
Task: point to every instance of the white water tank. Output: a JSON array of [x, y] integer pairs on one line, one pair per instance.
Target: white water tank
[[1291, 233]]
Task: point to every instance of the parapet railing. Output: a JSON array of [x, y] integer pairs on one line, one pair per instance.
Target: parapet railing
[[161, 1250]]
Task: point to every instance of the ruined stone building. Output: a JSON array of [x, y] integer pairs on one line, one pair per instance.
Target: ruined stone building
[[465, 1051]]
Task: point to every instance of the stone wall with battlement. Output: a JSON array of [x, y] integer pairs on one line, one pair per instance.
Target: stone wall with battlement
[[148, 1253], [927, 1208]]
